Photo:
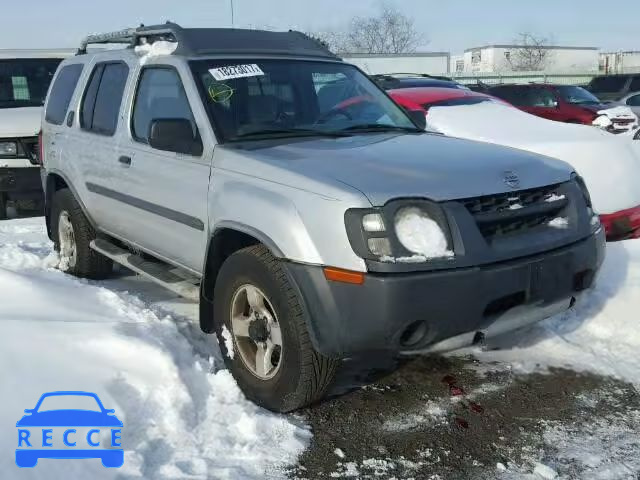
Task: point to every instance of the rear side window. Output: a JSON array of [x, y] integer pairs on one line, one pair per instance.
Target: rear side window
[[61, 93], [514, 95], [103, 97], [160, 96], [635, 85]]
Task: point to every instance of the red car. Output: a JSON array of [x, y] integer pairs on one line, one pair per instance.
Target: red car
[[618, 225], [562, 103]]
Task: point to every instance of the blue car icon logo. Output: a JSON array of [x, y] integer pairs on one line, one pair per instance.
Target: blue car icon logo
[[40, 428]]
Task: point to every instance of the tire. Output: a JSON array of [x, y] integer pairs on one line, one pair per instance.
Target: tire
[[87, 262], [303, 375]]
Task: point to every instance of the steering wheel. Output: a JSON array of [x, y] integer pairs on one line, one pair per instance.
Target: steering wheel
[[334, 112]]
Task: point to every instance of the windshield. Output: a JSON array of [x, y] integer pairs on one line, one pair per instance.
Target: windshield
[[608, 84], [283, 98], [24, 81], [577, 95]]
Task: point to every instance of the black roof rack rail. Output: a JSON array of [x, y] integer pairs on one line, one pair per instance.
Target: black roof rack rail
[[211, 41]]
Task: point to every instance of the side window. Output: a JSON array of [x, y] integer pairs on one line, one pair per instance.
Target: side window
[[103, 97], [635, 85], [160, 95], [541, 97], [61, 93], [634, 101]]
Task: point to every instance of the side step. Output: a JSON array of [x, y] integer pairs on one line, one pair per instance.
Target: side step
[[157, 272]]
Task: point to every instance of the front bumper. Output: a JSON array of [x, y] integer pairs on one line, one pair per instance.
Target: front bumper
[[410, 312], [20, 184]]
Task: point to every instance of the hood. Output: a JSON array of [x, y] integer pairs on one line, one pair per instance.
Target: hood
[[20, 122], [69, 418], [587, 149], [388, 166]]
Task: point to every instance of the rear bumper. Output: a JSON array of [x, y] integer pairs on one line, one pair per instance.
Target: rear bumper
[[21, 183], [411, 312], [622, 225]]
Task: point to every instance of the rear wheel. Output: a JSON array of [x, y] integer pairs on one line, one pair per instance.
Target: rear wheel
[[262, 332], [72, 235]]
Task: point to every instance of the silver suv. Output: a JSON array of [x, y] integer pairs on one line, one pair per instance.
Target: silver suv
[[310, 216]]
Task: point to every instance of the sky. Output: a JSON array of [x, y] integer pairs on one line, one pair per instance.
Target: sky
[[446, 25]]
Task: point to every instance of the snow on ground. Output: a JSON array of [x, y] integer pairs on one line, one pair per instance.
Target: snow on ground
[[183, 417]]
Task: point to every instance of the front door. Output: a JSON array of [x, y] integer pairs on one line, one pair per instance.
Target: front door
[[163, 194]]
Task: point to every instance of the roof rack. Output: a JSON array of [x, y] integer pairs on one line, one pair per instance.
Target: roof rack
[[209, 41]]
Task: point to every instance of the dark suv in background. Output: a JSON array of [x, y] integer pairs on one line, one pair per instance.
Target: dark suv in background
[[613, 87], [562, 103]]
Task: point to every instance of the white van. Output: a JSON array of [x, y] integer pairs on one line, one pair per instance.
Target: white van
[[25, 76]]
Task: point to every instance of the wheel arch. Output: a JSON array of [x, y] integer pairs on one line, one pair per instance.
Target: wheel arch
[[55, 181], [226, 239]]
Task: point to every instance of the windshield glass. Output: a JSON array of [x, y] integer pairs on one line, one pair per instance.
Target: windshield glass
[[269, 98], [69, 402], [24, 81], [577, 95]]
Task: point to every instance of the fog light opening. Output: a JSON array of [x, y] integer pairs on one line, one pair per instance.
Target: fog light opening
[[414, 334]]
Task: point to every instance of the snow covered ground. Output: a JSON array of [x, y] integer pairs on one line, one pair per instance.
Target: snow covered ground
[[143, 355], [140, 349]]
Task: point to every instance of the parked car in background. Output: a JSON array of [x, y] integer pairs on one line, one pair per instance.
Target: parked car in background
[[609, 164], [25, 76], [412, 80], [610, 88], [566, 103], [631, 100], [309, 232]]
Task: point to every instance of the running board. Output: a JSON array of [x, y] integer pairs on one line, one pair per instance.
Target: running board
[[157, 272]]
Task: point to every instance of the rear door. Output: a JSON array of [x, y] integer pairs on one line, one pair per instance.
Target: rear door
[[163, 194], [92, 143]]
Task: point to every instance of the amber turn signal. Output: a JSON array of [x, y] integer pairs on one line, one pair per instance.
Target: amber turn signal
[[344, 276]]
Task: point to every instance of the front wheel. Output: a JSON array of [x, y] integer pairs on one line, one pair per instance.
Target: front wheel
[[72, 235], [262, 332]]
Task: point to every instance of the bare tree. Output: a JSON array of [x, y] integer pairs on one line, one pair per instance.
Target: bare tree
[[388, 32], [531, 53]]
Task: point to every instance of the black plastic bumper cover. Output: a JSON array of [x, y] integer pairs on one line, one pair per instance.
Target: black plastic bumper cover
[[21, 183], [346, 319]]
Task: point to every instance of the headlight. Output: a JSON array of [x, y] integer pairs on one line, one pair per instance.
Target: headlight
[[420, 234], [8, 149], [412, 231]]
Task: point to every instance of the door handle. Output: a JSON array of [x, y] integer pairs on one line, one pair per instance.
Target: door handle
[[124, 160]]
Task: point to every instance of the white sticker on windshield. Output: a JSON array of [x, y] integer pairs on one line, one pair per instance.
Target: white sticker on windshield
[[236, 71]]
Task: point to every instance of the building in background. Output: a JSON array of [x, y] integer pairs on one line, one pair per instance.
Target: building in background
[[503, 58], [424, 62], [620, 62]]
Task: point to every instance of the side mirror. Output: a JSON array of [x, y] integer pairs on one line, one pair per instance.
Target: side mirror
[[174, 135], [418, 117], [28, 410]]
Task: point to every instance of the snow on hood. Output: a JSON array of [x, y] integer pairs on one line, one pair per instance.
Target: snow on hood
[[609, 165], [20, 122]]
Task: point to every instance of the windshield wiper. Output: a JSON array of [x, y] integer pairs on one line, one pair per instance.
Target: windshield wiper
[[378, 127], [298, 132]]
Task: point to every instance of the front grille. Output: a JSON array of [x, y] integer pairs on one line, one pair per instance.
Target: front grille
[[515, 213]]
